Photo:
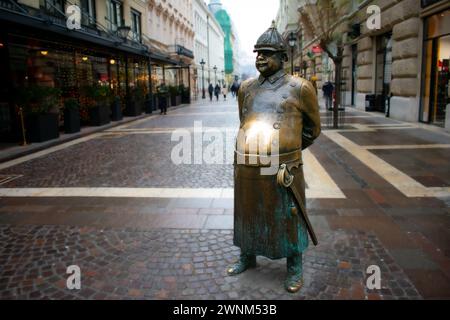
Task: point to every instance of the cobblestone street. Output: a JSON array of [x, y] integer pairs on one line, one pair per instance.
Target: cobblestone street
[[141, 227]]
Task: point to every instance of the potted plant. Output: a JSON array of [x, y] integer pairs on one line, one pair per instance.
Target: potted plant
[[71, 116], [97, 101], [175, 97], [116, 109], [148, 104], [40, 106], [135, 103], [185, 94]]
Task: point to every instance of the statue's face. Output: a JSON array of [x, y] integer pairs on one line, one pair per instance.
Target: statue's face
[[268, 62]]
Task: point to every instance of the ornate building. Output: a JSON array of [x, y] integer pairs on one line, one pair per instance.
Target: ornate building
[[400, 67], [230, 40], [208, 47], [170, 36]]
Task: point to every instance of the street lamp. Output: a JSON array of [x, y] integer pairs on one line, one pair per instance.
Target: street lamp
[[292, 41], [203, 78], [215, 74], [123, 31], [223, 77]]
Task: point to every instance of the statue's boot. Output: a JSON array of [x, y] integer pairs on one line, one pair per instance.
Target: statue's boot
[[245, 262], [294, 279]]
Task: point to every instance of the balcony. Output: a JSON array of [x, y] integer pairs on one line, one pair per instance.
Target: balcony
[[51, 16], [182, 51]]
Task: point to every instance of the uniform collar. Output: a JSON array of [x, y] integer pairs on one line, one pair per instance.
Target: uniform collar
[[273, 78]]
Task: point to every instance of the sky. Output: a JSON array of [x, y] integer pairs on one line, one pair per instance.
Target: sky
[[251, 18]]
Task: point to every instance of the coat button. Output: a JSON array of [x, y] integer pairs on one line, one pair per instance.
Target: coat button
[[280, 109], [285, 96], [280, 117], [292, 84], [277, 125], [244, 110]]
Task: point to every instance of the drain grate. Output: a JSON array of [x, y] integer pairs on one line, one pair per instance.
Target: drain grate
[[8, 178]]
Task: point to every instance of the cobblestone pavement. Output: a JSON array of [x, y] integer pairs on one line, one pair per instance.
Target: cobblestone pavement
[[174, 239], [182, 264]]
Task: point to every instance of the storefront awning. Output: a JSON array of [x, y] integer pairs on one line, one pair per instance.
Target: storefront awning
[[43, 23]]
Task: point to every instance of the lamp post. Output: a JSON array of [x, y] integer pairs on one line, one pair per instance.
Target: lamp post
[[292, 41], [203, 78], [123, 31], [215, 74], [223, 77]]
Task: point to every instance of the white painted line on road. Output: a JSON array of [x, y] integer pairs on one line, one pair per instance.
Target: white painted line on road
[[404, 183], [38, 154], [411, 146], [182, 193], [320, 184]]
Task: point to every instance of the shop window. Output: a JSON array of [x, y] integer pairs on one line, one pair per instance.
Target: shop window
[[436, 76]]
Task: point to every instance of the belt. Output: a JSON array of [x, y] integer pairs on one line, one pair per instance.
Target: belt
[[256, 160]]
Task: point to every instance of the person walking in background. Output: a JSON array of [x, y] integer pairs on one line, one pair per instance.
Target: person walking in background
[[210, 91], [163, 92], [225, 92], [314, 82], [327, 90], [217, 91], [234, 89]]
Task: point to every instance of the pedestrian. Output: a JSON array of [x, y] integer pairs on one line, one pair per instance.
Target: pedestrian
[[210, 91], [232, 89], [217, 91], [162, 96], [327, 90], [314, 82], [224, 92]]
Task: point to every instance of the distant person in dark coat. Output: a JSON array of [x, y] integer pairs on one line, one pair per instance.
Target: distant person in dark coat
[[217, 91], [234, 89], [210, 91], [328, 89]]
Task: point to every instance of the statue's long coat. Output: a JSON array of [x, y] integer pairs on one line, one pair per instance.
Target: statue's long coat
[[267, 218]]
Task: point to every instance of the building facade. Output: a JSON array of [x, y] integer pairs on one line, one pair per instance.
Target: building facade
[[129, 47], [230, 40], [208, 47], [403, 63], [170, 37], [39, 50], [287, 22]]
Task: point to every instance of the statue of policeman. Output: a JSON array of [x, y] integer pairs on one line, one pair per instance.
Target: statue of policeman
[[281, 112]]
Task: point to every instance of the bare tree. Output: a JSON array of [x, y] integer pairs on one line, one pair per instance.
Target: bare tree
[[322, 19]]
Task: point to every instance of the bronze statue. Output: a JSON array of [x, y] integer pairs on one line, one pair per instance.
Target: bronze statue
[[269, 209]]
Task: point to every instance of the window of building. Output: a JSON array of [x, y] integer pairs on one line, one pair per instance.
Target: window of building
[[88, 15], [383, 74], [136, 25], [115, 14], [53, 6]]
